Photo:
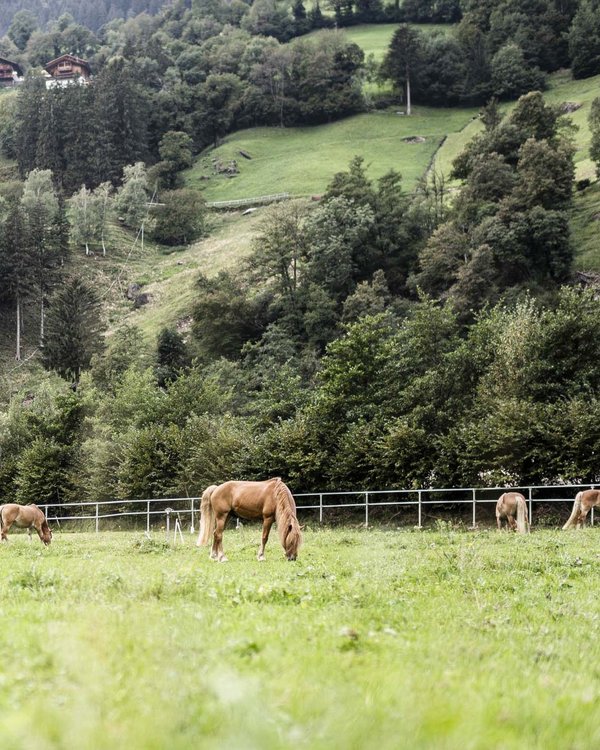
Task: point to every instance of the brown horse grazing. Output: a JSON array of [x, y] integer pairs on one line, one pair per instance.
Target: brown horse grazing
[[24, 517], [270, 500], [509, 505], [584, 502]]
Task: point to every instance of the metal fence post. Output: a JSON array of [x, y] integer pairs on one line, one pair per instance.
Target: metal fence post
[[97, 518], [366, 509], [474, 506], [320, 508], [420, 512], [530, 507], [148, 517], [192, 515]]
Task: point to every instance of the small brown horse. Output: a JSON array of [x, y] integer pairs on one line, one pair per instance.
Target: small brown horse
[[584, 502], [509, 505], [24, 517], [269, 501]]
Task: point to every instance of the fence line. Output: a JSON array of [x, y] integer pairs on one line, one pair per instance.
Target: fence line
[[162, 508], [261, 199]]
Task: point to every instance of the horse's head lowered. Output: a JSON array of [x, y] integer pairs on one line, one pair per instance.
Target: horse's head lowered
[[46, 533], [293, 539]]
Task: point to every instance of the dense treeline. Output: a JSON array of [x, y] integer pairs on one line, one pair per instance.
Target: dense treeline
[[498, 49], [399, 400], [90, 13]]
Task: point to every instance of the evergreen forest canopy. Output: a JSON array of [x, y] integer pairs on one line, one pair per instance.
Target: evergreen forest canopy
[[90, 13], [375, 339]]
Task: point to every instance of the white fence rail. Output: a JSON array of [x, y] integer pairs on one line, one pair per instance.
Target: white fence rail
[[162, 509], [257, 201]]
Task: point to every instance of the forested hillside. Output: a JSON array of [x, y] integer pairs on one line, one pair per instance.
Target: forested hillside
[[90, 13], [403, 327]]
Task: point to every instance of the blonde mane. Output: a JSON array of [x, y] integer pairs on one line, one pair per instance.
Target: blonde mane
[[288, 527]]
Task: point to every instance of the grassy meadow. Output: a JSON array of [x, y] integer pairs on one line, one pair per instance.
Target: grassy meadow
[[373, 639], [301, 161], [374, 39]]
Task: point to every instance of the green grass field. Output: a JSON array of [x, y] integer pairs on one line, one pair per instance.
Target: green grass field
[[374, 39], [302, 161], [373, 639]]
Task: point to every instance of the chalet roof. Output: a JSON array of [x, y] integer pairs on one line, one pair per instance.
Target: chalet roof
[[67, 58], [18, 69]]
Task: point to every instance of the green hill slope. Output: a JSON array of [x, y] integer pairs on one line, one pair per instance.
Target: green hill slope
[[301, 161]]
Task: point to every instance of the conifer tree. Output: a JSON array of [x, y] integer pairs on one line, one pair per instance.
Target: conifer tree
[[15, 265], [73, 331], [40, 213]]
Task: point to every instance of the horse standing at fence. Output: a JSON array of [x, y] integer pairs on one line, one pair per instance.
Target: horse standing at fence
[[24, 517], [511, 506], [270, 500], [584, 502]]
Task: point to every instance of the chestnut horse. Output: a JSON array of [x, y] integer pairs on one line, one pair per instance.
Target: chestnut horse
[[584, 502], [270, 501], [24, 517], [509, 505]]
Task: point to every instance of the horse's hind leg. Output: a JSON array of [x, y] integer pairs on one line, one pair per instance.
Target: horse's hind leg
[[217, 548], [267, 523], [5, 529]]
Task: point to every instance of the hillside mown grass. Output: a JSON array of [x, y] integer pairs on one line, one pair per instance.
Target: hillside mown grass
[[301, 161], [373, 639], [374, 39]]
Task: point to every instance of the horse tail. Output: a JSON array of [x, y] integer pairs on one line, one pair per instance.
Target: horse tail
[[207, 516], [522, 520], [575, 512], [290, 533]]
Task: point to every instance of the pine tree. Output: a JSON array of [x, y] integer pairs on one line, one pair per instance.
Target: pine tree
[[15, 265], [401, 62], [40, 212], [73, 331], [121, 114]]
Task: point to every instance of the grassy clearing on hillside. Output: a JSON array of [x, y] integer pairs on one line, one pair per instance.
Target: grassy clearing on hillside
[[373, 639], [301, 161], [374, 38], [585, 226], [173, 279], [168, 275]]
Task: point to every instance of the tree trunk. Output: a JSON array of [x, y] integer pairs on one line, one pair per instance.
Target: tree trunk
[[18, 352], [42, 316]]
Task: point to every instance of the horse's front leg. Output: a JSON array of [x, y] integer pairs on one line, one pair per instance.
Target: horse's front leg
[[217, 548], [267, 523]]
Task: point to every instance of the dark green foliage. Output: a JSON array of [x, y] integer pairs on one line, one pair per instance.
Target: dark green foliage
[[584, 40], [511, 76], [23, 24], [181, 218], [73, 329], [171, 356], [226, 316]]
